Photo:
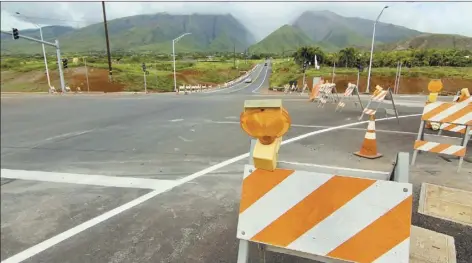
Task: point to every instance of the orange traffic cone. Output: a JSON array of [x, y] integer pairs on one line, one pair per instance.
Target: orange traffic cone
[[369, 146]]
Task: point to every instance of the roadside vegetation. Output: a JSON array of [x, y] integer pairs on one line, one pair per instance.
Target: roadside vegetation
[[27, 73], [416, 64]]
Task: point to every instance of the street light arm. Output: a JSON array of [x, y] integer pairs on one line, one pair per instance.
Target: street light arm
[[177, 39], [27, 20], [377, 20]]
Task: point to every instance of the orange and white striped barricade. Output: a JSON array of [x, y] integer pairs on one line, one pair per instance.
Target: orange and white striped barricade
[[286, 88], [326, 94], [378, 98], [347, 97], [328, 214], [455, 127], [444, 112]]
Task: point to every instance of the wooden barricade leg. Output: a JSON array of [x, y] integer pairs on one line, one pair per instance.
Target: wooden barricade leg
[[464, 143], [243, 252], [359, 98], [362, 114], [419, 137]]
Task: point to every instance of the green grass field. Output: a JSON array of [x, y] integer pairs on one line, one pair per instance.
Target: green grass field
[[130, 75]]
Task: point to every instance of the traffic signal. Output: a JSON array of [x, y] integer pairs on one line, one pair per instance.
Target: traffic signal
[[64, 63], [360, 67], [15, 33]]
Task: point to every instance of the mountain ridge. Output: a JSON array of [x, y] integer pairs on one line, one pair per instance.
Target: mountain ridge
[[154, 31], [224, 33]]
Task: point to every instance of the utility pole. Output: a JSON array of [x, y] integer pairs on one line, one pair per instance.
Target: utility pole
[[108, 42], [234, 55]]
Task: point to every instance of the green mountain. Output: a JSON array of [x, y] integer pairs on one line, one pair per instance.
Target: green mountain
[[286, 38], [151, 33], [431, 41], [336, 32]]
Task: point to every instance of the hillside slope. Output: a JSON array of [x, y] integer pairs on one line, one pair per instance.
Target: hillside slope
[[285, 38], [432, 41], [339, 31], [154, 33]]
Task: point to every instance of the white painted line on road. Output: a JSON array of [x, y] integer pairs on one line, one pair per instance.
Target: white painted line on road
[[265, 76], [70, 134], [34, 250], [324, 127], [87, 179], [249, 83], [176, 120], [235, 85], [183, 139]]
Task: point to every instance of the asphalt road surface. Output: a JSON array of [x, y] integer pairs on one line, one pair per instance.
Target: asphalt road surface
[[173, 167], [260, 80]]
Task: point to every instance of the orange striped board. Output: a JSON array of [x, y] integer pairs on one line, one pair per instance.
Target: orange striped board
[[448, 112], [378, 97], [333, 216], [435, 147], [454, 128]]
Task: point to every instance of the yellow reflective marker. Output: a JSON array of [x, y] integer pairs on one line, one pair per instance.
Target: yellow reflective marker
[[378, 89], [465, 94], [434, 87], [267, 121]]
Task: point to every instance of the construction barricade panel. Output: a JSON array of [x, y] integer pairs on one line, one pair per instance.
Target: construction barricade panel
[[450, 113], [329, 215]]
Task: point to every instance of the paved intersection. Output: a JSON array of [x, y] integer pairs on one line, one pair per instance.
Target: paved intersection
[[184, 149]]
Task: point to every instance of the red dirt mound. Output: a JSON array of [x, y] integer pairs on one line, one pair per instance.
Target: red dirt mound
[[98, 80]]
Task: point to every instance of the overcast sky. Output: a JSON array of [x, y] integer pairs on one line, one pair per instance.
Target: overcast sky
[[261, 18]]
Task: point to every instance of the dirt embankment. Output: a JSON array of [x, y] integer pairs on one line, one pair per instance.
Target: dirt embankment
[[98, 80], [73, 77], [410, 85]]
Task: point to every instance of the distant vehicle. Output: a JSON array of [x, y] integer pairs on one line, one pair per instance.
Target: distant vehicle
[[265, 64], [248, 80]]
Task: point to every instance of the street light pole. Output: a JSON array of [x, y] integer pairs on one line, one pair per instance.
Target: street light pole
[[173, 55], [372, 50], [44, 50]]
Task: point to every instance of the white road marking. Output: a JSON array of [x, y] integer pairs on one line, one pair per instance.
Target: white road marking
[[87, 179], [325, 127], [176, 120], [265, 76], [231, 117], [235, 85], [183, 139], [249, 83], [38, 248], [70, 134]]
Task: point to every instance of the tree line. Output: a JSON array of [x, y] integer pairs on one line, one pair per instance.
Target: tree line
[[352, 57]]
